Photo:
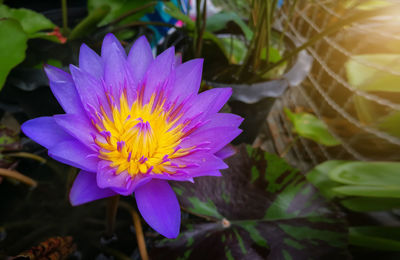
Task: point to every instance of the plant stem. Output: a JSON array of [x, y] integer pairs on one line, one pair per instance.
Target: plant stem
[[27, 155], [332, 29], [199, 45], [132, 12], [138, 228], [111, 214], [17, 176], [141, 23], [64, 15]]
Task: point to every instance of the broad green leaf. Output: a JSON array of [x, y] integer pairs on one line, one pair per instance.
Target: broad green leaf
[[368, 78], [261, 208], [377, 79], [319, 177], [89, 24], [236, 49], [369, 191], [118, 8], [308, 126], [31, 21], [274, 55], [12, 49], [367, 173], [374, 237], [219, 21], [366, 204], [390, 123]]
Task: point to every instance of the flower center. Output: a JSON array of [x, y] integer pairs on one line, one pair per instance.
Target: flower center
[[140, 138]]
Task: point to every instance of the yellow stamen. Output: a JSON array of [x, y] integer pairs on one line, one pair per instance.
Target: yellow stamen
[[140, 138]]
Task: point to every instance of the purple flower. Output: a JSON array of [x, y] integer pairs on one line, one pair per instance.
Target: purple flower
[[134, 122]]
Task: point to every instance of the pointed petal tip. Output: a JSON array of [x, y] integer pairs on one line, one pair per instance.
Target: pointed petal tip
[[164, 216]]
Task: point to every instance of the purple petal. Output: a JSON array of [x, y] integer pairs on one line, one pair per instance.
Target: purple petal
[[222, 120], [111, 40], [121, 183], [90, 90], [217, 138], [226, 152], [64, 90], [188, 79], [85, 189], [158, 73], [117, 73], [78, 126], [90, 62], [208, 102], [76, 154], [202, 161], [45, 131], [139, 58], [159, 206]]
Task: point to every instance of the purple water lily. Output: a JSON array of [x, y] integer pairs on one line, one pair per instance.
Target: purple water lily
[[134, 122]]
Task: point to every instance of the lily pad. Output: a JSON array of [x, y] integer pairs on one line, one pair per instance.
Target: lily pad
[[261, 208]]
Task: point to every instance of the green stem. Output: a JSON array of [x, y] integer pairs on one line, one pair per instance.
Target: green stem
[[202, 29], [133, 12], [64, 15], [269, 22], [141, 23], [332, 29], [112, 207]]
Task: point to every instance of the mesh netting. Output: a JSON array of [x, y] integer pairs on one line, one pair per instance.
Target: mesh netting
[[353, 114]]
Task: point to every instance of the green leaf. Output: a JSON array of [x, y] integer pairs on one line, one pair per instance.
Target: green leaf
[[319, 177], [273, 214], [390, 123], [366, 204], [369, 191], [377, 79], [89, 24], [12, 49], [219, 21], [308, 126], [236, 49], [367, 173], [378, 238], [118, 8], [31, 21], [370, 179], [367, 78]]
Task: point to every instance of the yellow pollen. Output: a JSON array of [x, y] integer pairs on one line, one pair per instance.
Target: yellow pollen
[[140, 138]]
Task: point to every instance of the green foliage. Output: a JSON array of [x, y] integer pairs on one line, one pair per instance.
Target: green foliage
[[89, 24], [375, 237], [175, 12], [260, 208], [368, 78], [31, 21], [118, 8], [219, 21], [308, 126], [375, 79], [12, 49], [375, 185]]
